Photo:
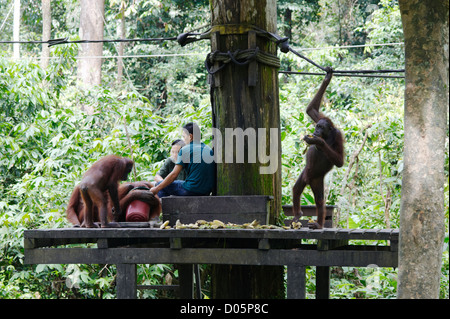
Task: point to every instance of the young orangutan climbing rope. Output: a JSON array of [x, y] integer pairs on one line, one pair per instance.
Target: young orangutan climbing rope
[[326, 149]]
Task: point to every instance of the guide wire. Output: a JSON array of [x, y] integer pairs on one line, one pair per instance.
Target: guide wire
[[189, 37]]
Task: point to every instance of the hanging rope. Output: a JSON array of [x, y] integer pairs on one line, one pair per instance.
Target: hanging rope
[[306, 59], [284, 46], [182, 39], [53, 42], [347, 75], [239, 57]]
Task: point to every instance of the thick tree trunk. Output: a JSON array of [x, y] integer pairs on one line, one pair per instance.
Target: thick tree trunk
[[422, 227], [46, 30], [91, 28], [246, 97]]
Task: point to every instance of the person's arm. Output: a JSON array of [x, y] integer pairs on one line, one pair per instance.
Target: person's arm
[[168, 180]]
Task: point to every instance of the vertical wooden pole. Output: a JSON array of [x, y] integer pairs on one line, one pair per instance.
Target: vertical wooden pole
[[296, 282], [240, 105], [322, 282], [126, 281], [185, 275], [246, 97]]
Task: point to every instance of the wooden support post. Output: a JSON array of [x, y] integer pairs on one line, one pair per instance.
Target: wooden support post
[[322, 282], [253, 65], [126, 286], [248, 102], [264, 244], [215, 47], [185, 276], [175, 243], [102, 243], [198, 284], [323, 272], [394, 245], [244, 100], [296, 282]]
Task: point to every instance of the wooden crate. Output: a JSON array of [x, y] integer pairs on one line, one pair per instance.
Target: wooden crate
[[233, 209], [310, 211]]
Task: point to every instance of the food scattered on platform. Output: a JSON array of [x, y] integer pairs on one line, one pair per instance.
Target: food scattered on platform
[[217, 224]]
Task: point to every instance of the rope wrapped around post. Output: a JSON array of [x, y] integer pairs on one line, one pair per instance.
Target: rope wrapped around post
[[240, 57]]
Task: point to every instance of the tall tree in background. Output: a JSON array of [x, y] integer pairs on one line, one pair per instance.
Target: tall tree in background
[[121, 35], [422, 225], [46, 31], [91, 28], [16, 29]]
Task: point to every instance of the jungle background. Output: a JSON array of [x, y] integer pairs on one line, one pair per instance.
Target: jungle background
[[47, 141]]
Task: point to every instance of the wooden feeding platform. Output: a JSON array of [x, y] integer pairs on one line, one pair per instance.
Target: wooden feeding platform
[[138, 243]]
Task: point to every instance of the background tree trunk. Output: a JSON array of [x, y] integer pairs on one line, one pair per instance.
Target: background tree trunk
[[121, 35], [239, 105], [422, 227], [46, 32], [91, 28], [16, 29]]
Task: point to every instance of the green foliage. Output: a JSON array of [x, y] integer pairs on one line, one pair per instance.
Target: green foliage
[[21, 96]]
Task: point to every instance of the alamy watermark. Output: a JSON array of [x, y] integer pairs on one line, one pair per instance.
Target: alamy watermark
[[237, 143]]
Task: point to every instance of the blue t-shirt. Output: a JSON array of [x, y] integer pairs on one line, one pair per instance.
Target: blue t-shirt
[[197, 160]]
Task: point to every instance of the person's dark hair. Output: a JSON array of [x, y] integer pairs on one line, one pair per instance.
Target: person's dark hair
[[178, 142], [193, 129]]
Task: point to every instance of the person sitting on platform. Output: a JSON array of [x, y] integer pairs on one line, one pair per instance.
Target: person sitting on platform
[[169, 163], [197, 159]]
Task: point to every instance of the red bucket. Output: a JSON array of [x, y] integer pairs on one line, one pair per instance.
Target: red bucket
[[138, 211]]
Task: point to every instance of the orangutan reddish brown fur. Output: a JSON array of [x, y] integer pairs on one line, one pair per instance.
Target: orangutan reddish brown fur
[[97, 188], [326, 150], [75, 208]]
